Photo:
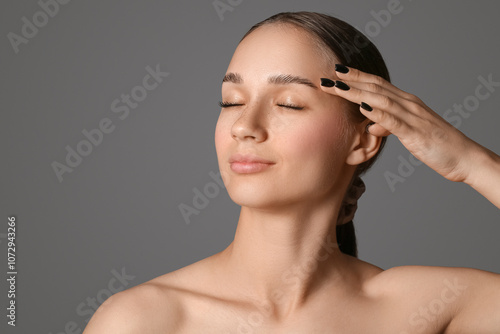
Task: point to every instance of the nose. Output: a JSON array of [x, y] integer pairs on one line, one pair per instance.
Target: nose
[[250, 124]]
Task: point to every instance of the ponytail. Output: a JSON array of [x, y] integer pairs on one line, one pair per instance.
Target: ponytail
[[346, 236], [346, 239]]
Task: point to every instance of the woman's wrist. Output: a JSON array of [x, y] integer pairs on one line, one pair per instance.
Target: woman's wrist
[[484, 174]]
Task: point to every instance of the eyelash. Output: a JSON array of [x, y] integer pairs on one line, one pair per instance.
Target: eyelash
[[289, 106]]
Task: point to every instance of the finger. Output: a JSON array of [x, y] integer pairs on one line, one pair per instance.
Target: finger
[[385, 111], [356, 75], [377, 130], [381, 99], [355, 90], [376, 89], [387, 122]]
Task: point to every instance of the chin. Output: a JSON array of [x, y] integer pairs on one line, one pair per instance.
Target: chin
[[253, 195], [262, 196]]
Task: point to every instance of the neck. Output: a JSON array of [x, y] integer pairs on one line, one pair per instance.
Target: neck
[[283, 258]]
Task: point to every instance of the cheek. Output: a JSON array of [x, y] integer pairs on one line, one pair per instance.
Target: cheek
[[314, 156], [317, 142]]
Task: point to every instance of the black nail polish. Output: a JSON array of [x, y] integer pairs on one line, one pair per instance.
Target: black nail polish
[[341, 68], [367, 129], [341, 85], [366, 106], [327, 82]]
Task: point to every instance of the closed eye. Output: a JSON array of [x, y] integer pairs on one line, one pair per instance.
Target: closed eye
[[289, 106], [227, 104]]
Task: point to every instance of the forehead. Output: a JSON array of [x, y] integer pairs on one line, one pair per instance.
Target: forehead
[[280, 47]]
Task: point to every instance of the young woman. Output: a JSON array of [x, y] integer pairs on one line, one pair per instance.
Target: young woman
[[306, 109]]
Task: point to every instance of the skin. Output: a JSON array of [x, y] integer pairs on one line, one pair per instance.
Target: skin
[[283, 272]]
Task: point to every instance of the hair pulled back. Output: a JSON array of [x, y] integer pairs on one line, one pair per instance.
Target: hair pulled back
[[344, 44]]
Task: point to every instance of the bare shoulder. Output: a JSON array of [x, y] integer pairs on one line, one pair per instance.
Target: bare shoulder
[[150, 307], [416, 277], [456, 298], [156, 306], [420, 283]]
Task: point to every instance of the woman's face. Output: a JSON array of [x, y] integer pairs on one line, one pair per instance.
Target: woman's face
[[308, 146]]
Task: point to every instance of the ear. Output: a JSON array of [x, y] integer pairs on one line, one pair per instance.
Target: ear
[[363, 146]]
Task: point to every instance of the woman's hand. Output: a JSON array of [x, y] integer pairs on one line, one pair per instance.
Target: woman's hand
[[429, 137]]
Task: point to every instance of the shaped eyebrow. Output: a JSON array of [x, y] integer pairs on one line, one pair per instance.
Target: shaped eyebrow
[[278, 79]]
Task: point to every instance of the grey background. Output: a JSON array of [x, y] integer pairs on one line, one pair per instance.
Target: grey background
[[119, 207]]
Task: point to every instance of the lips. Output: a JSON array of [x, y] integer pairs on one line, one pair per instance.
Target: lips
[[248, 158], [249, 163]]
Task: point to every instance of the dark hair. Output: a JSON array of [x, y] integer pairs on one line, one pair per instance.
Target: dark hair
[[351, 48]]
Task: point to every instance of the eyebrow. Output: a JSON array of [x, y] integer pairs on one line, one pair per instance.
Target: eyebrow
[[278, 79]]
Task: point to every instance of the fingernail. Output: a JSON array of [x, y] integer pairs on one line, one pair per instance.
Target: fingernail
[[341, 68], [327, 82], [341, 85], [367, 129], [366, 106]]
